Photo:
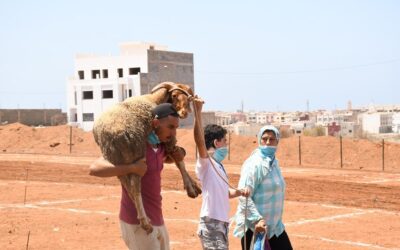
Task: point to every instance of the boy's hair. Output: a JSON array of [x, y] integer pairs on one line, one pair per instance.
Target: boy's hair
[[212, 132]]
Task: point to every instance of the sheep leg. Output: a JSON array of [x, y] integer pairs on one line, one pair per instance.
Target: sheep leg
[[192, 189], [132, 184]]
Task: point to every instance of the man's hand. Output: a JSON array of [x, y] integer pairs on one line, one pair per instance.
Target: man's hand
[[179, 154], [103, 168], [139, 168], [260, 226]]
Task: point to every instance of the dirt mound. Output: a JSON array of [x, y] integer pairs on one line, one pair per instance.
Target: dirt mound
[[315, 151], [19, 138]]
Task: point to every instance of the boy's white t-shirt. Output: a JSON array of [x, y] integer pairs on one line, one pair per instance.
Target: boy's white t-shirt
[[215, 191]]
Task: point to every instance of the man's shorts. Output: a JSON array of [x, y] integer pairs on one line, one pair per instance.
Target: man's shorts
[[213, 233], [136, 238]]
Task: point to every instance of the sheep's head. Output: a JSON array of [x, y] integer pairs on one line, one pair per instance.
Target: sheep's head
[[180, 97]]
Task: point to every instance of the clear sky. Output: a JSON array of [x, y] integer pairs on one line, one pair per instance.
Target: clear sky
[[272, 55]]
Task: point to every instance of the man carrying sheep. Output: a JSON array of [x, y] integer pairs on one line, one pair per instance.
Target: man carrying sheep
[[164, 124]]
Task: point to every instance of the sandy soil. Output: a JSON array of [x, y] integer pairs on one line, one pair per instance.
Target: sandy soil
[[315, 151], [46, 192], [67, 209]]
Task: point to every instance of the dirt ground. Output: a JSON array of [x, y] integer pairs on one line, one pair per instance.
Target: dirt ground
[[48, 200], [67, 209], [321, 152]]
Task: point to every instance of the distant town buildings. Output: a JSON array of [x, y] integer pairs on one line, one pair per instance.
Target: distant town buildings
[[101, 81], [374, 120]]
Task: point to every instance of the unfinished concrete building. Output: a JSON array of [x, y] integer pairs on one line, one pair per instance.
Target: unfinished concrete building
[[101, 81]]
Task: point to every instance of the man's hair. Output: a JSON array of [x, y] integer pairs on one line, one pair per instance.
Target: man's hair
[[213, 132], [164, 110]]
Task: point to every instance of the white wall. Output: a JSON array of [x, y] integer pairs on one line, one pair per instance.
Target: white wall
[[246, 129], [111, 63], [371, 122], [97, 105], [396, 123]]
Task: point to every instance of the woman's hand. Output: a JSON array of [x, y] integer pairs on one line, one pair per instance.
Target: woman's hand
[[260, 226], [245, 192]]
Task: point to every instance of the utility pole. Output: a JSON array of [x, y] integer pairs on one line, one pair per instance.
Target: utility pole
[[44, 114], [308, 106], [383, 154]]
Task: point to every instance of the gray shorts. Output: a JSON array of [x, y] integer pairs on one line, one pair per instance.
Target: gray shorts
[[213, 233]]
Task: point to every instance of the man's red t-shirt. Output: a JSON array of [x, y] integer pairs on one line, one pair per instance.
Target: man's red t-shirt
[[151, 191]]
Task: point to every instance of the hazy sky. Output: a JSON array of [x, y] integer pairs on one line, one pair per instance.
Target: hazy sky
[[272, 55]]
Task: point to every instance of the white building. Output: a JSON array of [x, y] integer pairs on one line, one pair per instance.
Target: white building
[[248, 129], [347, 129], [299, 126], [396, 123], [101, 81], [223, 118], [284, 117], [251, 117], [328, 117], [376, 123], [264, 117]]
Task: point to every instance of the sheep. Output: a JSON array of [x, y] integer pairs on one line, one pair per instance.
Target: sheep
[[121, 133]]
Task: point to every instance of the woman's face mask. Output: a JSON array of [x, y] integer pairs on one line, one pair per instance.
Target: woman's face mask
[[268, 151], [220, 154]]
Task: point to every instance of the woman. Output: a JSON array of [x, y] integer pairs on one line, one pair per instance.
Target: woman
[[262, 176]]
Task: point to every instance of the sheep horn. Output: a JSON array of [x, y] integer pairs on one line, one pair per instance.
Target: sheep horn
[[166, 85]]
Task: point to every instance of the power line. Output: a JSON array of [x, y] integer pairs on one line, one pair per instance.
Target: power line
[[31, 93], [301, 71]]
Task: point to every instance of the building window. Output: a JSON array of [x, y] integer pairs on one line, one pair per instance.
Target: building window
[[105, 73], [75, 117], [87, 95], [81, 74], [120, 73], [75, 99], [129, 93], [95, 74], [88, 117], [134, 71], [107, 94]]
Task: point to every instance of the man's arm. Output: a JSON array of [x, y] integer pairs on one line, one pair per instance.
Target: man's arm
[[103, 168], [198, 128]]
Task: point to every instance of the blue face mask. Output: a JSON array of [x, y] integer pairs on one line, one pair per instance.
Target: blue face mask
[[267, 151], [220, 154], [153, 138]]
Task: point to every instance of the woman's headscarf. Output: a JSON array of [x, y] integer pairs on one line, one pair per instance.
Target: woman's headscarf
[[265, 128], [257, 159]]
